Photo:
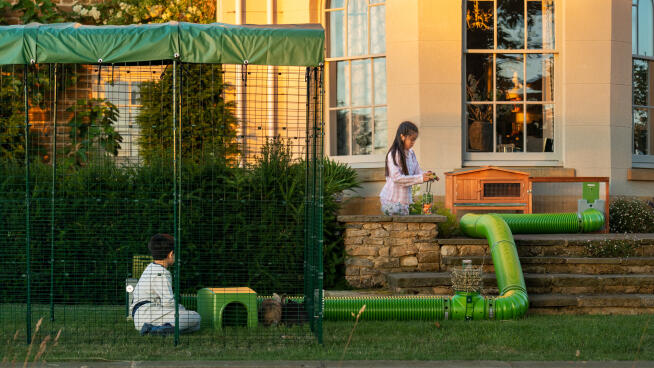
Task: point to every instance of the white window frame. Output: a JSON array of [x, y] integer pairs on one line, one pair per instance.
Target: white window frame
[[356, 161], [514, 158], [641, 161]]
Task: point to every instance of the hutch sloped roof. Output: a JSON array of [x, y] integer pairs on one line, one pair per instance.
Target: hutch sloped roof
[[216, 43], [482, 169]]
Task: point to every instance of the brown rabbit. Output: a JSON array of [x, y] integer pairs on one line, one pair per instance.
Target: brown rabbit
[[271, 311]]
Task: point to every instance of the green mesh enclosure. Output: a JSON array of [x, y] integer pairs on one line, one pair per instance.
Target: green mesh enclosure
[[96, 159]]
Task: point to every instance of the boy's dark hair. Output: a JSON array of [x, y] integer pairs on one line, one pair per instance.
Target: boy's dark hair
[[161, 245], [397, 148]]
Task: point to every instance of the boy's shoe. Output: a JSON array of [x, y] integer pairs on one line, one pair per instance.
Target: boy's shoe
[[147, 328]]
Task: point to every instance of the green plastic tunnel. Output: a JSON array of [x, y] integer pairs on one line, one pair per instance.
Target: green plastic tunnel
[[512, 302]]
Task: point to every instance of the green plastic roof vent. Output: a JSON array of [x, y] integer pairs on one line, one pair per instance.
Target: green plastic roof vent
[[590, 192]]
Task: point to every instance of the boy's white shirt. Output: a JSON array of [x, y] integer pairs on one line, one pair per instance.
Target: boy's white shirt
[[155, 286]]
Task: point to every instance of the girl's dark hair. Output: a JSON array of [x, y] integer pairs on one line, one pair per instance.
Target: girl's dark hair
[[397, 148]]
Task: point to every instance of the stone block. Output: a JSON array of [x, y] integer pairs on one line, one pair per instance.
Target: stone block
[[384, 251], [352, 233], [386, 263], [355, 281], [352, 271], [353, 240], [399, 226], [424, 226], [366, 271], [428, 247], [373, 241], [372, 226], [363, 251], [409, 261], [413, 226], [398, 242], [429, 257], [379, 233], [354, 225], [403, 234], [362, 262], [403, 251], [449, 250], [428, 267]]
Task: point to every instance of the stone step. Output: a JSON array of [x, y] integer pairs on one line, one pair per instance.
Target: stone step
[[556, 264], [557, 283], [547, 245], [591, 304]]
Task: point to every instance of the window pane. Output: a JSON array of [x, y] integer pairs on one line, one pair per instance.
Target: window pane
[[381, 134], [342, 133], [640, 82], [340, 93], [480, 128], [540, 77], [634, 30], [357, 27], [378, 29], [361, 132], [645, 29], [361, 82], [640, 132], [540, 24], [510, 24], [336, 39], [479, 25], [376, 1], [336, 4], [479, 79], [510, 79], [510, 120], [540, 128], [379, 72]]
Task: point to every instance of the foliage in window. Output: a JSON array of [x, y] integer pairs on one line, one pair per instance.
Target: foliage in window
[[509, 93]]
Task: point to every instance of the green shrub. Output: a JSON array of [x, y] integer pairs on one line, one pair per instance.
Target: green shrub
[[629, 215], [338, 177], [238, 226]]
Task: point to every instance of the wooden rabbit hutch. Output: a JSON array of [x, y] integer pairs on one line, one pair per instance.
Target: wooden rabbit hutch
[[487, 188]]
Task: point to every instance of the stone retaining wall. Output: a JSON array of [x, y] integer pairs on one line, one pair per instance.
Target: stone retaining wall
[[377, 245]]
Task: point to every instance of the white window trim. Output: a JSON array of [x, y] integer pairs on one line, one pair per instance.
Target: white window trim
[[355, 161], [517, 158], [640, 161]]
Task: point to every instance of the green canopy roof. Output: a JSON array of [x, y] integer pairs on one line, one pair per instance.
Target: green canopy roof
[[293, 45]]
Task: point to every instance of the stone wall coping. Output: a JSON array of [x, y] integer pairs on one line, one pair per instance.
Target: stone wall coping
[[384, 218]]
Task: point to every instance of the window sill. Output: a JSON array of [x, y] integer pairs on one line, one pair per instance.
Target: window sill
[[640, 174]]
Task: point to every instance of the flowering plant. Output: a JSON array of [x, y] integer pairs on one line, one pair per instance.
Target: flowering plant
[[148, 11], [630, 215]]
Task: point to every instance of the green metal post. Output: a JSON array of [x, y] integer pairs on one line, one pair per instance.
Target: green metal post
[[318, 149], [175, 202], [52, 209], [28, 322], [308, 285]]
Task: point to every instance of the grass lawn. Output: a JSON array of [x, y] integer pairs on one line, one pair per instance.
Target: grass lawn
[[101, 333]]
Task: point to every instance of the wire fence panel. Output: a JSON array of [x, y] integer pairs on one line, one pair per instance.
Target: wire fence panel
[[226, 159]]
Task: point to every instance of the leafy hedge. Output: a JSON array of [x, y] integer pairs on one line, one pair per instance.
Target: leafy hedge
[[238, 226]]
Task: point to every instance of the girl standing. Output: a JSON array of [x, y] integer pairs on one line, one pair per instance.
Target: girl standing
[[402, 172]]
